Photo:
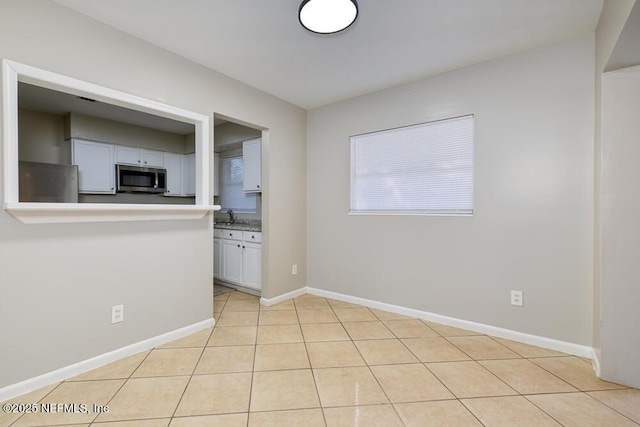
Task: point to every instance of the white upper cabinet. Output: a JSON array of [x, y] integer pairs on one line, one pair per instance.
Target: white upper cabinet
[[173, 165], [152, 158], [128, 155], [252, 159], [96, 166], [189, 174], [139, 157], [181, 174]]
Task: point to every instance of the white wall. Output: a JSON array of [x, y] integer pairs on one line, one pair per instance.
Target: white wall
[[532, 227], [610, 25], [59, 282], [620, 227]]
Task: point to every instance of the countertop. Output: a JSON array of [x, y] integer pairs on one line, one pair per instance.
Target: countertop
[[237, 226]]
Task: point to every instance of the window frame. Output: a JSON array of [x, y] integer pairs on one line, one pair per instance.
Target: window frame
[[36, 213]]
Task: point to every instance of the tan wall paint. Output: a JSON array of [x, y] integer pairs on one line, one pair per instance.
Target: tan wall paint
[[620, 347], [59, 281], [118, 133], [533, 222], [612, 20], [41, 138]]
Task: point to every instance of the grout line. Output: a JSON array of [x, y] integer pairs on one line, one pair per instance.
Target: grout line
[[313, 374]]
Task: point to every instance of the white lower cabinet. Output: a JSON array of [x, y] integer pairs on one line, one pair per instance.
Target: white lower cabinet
[[252, 265], [240, 258], [217, 254]]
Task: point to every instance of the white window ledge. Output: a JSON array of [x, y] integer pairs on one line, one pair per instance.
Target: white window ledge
[[51, 213]]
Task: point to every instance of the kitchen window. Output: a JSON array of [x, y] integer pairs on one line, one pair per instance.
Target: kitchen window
[[232, 195], [424, 169]]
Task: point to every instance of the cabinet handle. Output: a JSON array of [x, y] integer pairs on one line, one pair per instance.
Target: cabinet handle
[[243, 247], [238, 245], [112, 188], [145, 162], [258, 186], [138, 161]]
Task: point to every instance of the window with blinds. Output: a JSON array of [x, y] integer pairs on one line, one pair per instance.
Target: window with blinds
[[424, 169], [232, 195]]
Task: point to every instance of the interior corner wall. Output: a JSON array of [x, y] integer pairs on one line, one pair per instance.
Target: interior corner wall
[[532, 228], [59, 281], [620, 347], [613, 17]]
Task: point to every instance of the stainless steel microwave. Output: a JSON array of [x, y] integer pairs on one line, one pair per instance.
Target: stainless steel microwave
[[139, 179]]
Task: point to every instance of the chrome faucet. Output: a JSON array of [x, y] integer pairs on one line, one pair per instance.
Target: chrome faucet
[[232, 218]]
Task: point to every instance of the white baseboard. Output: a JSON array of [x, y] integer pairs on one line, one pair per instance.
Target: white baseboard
[[62, 374], [544, 342], [595, 361], [283, 297]]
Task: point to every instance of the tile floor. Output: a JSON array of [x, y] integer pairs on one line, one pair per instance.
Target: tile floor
[[313, 361]]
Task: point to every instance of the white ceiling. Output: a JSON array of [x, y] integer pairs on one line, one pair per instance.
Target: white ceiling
[[261, 43]]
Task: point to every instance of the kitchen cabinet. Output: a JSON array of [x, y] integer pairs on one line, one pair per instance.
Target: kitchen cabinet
[[189, 174], [173, 165], [216, 174], [139, 157], [217, 254], [232, 256], [252, 159], [96, 166], [181, 174], [252, 260], [240, 258]]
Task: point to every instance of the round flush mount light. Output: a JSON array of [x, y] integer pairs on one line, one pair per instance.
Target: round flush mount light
[[327, 16]]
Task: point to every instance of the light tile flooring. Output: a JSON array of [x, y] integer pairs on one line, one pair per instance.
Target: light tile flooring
[[313, 361]]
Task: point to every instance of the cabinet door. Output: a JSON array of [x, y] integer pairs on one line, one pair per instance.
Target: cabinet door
[[154, 159], [252, 265], [189, 174], [96, 166], [216, 174], [173, 165], [217, 258], [128, 155], [232, 261], [252, 159]]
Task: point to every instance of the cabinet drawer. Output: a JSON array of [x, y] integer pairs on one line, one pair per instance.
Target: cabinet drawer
[[252, 236], [217, 233], [232, 234]]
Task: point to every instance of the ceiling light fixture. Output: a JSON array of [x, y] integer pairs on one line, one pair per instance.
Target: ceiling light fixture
[[327, 16]]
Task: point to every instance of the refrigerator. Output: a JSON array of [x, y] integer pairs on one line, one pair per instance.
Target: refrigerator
[[47, 182]]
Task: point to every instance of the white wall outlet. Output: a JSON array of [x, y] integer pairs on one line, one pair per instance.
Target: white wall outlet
[[294, 269], [517, 298], [117, 314]]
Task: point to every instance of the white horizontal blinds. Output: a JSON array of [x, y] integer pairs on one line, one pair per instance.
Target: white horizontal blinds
[[232, 195], [420, 169]]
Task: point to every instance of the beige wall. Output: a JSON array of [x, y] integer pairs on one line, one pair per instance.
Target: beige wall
[[612, 20], [60, 281], [533, 221], [233, 133], [41, 138], [112, 132], [620, 347]]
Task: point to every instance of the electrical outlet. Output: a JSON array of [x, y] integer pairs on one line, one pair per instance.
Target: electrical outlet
[[294, 269], [117, 314], [517, 298]]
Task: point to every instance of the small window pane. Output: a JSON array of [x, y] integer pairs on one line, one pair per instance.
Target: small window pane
[[420, 169]]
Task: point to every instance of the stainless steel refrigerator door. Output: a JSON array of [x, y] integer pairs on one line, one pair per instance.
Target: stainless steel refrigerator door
[[47, 183]]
